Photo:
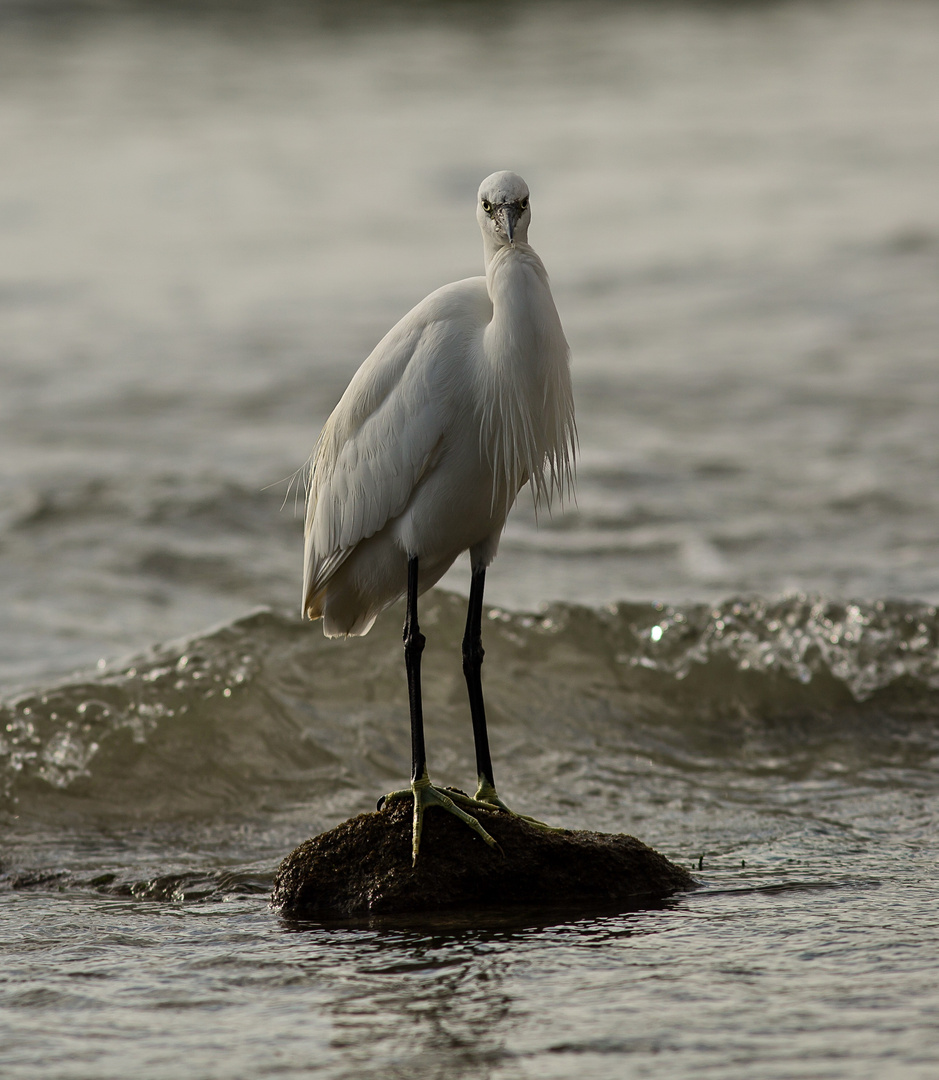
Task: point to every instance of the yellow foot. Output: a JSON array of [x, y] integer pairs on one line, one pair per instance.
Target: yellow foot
[[425, 794], [488, 796]]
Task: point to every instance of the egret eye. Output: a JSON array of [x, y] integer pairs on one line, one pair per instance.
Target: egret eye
[[523, 203], [487, 206]]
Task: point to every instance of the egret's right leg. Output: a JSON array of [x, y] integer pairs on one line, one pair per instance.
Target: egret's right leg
[[423, 792]]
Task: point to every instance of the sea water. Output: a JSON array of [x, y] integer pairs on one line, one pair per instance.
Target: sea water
[[726, 646]]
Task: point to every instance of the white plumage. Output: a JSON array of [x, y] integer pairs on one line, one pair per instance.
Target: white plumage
[[461, 403]]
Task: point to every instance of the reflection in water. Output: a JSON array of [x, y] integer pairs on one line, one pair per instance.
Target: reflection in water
[[458, 999], [431, 1002]]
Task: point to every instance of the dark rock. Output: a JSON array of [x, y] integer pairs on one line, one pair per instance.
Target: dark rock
[[363, 867]]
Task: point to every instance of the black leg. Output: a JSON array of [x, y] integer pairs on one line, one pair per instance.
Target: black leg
[[472, 670], [421, 790], [473, 654], [413, 647]]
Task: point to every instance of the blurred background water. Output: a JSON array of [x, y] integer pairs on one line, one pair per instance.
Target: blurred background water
[[208, 216]]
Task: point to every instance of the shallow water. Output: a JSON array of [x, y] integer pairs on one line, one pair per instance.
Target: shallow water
[[787, 753], [733, 652]]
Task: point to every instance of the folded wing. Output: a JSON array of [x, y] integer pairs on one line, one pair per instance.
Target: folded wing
[[380, 440]]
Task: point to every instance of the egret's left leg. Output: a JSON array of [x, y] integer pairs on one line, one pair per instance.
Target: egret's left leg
[[473, 654]]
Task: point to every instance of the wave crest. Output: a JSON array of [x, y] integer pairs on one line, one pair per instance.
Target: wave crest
[[265, 714]]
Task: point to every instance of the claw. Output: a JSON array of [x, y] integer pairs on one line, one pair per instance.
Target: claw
[[425, 794], [489, 797]]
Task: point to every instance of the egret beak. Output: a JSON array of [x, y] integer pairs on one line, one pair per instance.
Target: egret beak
[[508, 215]]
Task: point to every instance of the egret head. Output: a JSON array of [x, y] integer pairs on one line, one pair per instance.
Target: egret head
[[503, 210]]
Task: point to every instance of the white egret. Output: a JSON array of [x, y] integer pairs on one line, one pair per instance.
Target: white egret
[[462, 403]]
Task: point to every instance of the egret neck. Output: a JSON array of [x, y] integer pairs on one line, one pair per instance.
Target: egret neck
[[529, 420]]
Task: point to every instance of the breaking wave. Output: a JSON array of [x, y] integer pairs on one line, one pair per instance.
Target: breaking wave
[[263, 714]]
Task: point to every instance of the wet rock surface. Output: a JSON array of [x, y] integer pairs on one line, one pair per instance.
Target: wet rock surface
[[363, 867]]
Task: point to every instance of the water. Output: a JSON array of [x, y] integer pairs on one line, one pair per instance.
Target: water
[[731, 647]]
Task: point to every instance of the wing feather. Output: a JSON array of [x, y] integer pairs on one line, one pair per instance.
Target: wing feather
[[379, 441]]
